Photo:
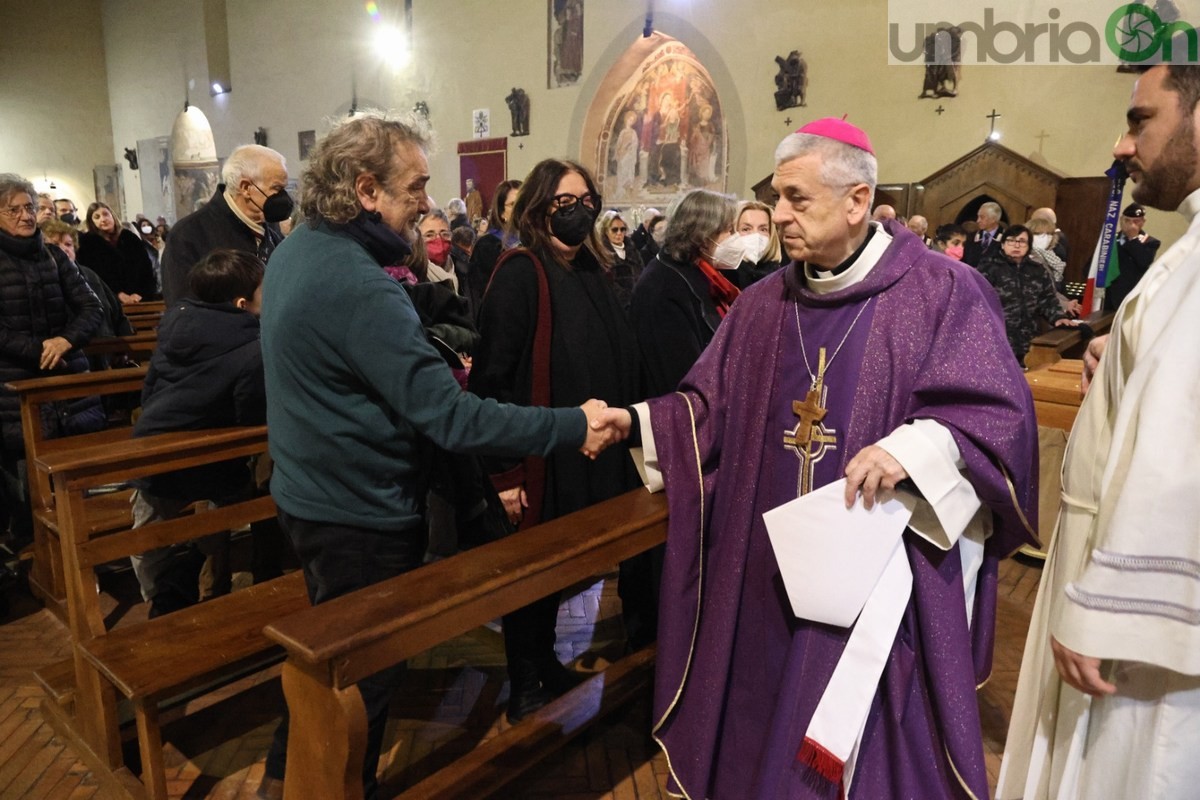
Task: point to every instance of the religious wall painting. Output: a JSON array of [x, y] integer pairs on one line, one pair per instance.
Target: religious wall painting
[[791, 82], [663, 131], [565, 58], [943, 63], [107, 181], [306, 140]]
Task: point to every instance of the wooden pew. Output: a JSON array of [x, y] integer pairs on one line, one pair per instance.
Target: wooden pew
[[139, 345], [1058, 343], [144, 316], [107, 511], [332, 646], [1056, 400], [148, 662]]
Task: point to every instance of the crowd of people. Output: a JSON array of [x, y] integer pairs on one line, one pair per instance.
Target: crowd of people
[[434, 379]]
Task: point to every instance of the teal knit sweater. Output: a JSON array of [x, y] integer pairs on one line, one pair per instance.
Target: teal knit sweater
[[355, 392]]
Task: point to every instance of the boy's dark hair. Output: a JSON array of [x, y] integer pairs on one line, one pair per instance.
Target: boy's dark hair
[[225, 275], [463, 236], [944, 232]]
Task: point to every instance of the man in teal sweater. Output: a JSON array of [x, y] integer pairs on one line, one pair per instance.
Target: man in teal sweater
[[356, 394]]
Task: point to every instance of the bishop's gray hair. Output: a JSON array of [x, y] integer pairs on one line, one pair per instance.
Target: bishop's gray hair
[[842, 165], [247, 162]]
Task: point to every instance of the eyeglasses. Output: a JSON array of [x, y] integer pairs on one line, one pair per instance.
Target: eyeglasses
[[431, 235], [15, 212], [1018, 242], [589, 201], [615, 229]]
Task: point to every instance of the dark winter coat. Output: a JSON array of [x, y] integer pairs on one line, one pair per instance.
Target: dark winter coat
[[206, 373], [1027, 295], [212, 227], [42, 295], [125, 268]]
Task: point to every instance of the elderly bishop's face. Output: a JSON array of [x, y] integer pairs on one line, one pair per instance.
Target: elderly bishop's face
[[814, 219]]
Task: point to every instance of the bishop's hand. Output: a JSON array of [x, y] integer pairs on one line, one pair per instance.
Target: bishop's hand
[[871, 470], [604, 427]]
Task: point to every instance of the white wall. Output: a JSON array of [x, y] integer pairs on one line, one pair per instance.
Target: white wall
[[54, 110], [292, 64]]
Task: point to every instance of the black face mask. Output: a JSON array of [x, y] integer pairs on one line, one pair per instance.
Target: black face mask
[[69, 218], [277, 207], [572, 225]]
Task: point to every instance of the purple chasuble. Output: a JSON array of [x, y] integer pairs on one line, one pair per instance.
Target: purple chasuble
[[738, 676]]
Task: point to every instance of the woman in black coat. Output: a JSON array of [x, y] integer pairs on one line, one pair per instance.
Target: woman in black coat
[[47, 311], [552, 329], [626, 262], [118, 256], [684, 292], [490, 245]]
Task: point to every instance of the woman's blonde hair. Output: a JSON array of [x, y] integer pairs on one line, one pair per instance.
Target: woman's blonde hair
[[365, 143], [774, 251]]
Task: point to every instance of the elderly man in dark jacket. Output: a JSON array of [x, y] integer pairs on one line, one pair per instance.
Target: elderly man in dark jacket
[[47, 311], [244, 215]]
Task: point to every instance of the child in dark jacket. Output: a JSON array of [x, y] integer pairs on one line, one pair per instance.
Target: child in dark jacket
[[206, 373]]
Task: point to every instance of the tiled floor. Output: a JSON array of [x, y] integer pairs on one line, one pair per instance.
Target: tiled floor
[[452, 698]]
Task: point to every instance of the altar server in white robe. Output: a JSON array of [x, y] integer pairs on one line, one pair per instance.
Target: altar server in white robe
[[1108, 702]]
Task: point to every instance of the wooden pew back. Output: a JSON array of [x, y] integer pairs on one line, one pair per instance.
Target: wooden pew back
[[148, 661], [45, 576], [333, 645]]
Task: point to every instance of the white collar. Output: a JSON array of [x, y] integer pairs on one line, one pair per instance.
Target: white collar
[[1190, 206], [825, 282]]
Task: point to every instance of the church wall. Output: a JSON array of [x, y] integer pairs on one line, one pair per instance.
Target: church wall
[[54, 105], [293, 64]]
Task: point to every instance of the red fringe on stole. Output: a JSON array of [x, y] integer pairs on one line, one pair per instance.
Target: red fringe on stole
[[823, 767]]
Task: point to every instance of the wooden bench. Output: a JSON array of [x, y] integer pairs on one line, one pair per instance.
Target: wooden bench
[[334, 645], [139, 345], [1058, 343], [147, 662], [106, 511], [1056, 400], [144, 316]]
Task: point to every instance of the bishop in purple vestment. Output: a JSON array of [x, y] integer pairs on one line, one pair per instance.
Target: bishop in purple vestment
[[869, 357]]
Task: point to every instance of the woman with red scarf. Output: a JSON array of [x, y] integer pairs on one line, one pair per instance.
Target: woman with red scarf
[[683, 293]]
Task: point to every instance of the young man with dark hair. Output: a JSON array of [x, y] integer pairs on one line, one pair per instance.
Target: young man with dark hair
[[206, 373]]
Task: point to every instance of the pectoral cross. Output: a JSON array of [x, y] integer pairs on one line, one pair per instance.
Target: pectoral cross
[[810, 439]]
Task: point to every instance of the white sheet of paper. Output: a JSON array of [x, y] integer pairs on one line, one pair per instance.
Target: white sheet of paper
[[831, 557]]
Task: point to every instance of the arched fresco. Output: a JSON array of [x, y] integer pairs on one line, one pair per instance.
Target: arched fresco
[[663, 129]]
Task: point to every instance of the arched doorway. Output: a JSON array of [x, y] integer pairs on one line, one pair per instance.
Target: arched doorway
[[971, 210]]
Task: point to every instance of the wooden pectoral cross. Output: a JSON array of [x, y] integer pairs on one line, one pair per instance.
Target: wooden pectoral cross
[[810, 439]]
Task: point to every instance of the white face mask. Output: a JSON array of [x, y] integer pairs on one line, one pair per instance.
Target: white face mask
[[1042, 240], [729, 253], [755, 245]]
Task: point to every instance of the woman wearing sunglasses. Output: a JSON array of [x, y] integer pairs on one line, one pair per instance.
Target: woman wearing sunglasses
[[626, 262]]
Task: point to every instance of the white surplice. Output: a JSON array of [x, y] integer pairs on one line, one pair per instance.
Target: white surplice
[[1122, 579]]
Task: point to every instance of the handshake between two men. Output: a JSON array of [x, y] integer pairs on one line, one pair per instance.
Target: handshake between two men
[[605, 427]]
